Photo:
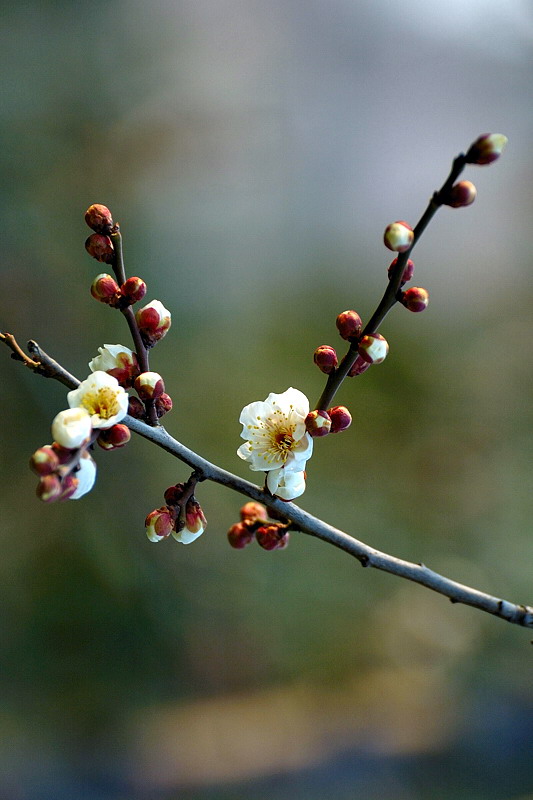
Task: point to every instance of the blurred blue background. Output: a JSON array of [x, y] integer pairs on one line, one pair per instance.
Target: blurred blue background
[[253, 152]]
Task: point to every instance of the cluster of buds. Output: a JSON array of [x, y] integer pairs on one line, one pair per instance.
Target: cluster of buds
[[153, 320], [372, 349], [254, 524], [182, 516], [66, 468], [319, 423], [106, 290]]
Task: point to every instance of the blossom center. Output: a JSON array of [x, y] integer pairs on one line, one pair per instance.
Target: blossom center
[[103, 402], [284, 442]]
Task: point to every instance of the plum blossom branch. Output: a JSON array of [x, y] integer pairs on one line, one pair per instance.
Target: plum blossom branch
[[446, 195], [301, 520]]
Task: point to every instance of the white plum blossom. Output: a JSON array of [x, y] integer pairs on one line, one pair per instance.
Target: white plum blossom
[[286, 484], [102, 396], [277, 440], [72, 427], [111, 356], [86, 476]]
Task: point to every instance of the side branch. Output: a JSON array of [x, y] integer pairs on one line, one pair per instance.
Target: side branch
[[301, 520]]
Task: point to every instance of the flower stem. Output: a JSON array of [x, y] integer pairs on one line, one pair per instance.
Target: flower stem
[[140, 349]]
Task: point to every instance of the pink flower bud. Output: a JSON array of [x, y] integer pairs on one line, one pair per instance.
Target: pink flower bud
[[358, 367], [105, 289], [373, 348], [272, 537], [253, 511], [349, 324], [240, 535], [398, 236], [135, 408], [49, 488], [195, 523], [159, 524], [325, 358], [163, 405], [415, 298], [44, 461], [407, 273], [133, 290], [486, 149], [99, 218], [318, 423], [113, 438], [195, 517], [153, 322], [340, 419], [100, 247], [461, 194], [149, 385], [69, 486]]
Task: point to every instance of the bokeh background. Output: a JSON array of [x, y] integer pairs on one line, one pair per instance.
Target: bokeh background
[[253, 153]]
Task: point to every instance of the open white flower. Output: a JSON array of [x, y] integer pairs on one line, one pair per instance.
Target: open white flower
[[86, 475], [285, 483], [103, 397], [275, 432]]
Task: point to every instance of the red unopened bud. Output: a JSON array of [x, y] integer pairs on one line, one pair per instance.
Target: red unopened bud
[[49, 488], [415, 298], [272, 537], [240, 536], [349, 324], [325, 358], [44, 461], [253, 511], [99, 218], [159, 524], [135, 408], [163, 405], [133, 290], [64, 454], [373, 348], [105, 289], [174, 494], [398, 236], [461, 194], [407, 272], [149, 385], [100, 247], [340, 419], [486, 149], [153, 321], [114, 437], [318, 423], [358, 367]]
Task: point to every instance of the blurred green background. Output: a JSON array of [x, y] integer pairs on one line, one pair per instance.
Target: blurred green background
[[253, 153]]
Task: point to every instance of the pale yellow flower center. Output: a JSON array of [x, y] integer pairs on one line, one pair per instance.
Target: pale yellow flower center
[[102, 402], [274, 436]]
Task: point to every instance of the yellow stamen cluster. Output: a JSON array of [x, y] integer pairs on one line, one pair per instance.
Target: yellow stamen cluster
[[102, 402]]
